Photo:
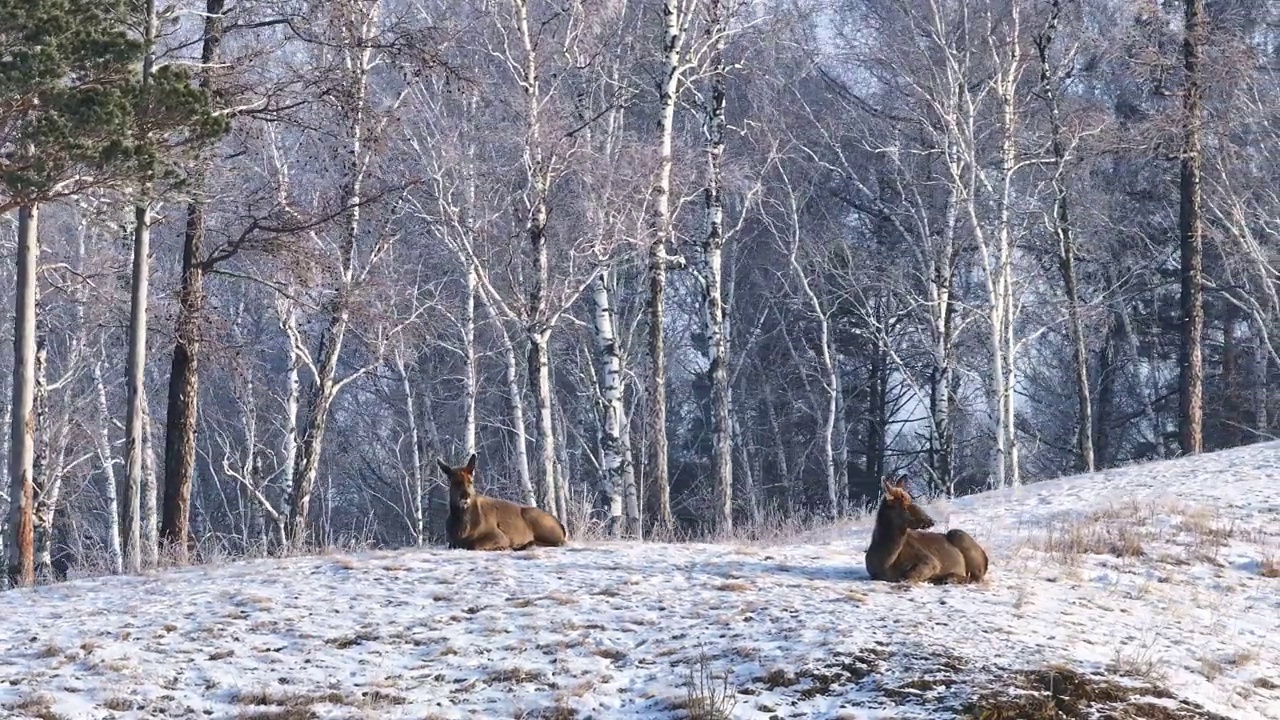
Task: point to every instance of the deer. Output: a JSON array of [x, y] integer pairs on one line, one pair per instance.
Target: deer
[[480, 522], [901, 550]]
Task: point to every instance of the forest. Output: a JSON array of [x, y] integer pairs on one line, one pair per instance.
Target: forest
[[670, 268]]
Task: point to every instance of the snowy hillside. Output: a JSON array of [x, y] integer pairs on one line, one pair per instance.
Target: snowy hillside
[[1154, 587]]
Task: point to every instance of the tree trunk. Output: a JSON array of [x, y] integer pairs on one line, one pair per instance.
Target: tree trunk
[[292, 402], [324, 384], [103, 440], [1049, 84], [540, 370], [515, 396], [137, 361], [45, 484], [942, 315], [1107, 368], [311, 438], [1190, 231], [21, 529], [1260, 386], [416, 480], [150, 494], [616, 471], [469, 357], [712, 271], [180, 419], [669, 89]]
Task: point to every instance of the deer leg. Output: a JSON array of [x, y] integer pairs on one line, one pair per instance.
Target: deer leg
[[923, 571], [495, 540]]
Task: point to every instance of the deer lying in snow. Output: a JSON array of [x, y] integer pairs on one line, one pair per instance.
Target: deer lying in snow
[[901, 551], [480, 522]]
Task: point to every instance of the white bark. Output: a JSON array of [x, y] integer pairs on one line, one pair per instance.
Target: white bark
[[670, 81], [515, 396], [150, 504], [540, 366], [416, 484], [293, 393], [359, 25], [470, 379], [20, 529], [711, 275], [825, 351], [617, 473], [108, 460], [135, 551]]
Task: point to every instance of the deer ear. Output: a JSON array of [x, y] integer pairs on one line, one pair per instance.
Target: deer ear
[[471, 464], [886, 485], [443, 467]]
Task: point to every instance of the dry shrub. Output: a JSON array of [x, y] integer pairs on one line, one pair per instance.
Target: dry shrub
[[1093, 535], [708, 695], [1270, 567]]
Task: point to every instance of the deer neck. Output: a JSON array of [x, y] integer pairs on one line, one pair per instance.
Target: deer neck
[[889, 535]]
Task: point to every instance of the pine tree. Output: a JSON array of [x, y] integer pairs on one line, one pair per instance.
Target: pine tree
[[75, 116]]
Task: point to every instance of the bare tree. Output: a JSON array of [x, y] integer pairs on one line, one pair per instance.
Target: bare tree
[[1191, 237]]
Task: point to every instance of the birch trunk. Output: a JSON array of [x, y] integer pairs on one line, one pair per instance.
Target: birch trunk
[[616, 471], [324, 383], [1261, 362], [45, 484], [1049, 84], [779, 450], [292, 400], [942, 311], [103, 441], [540, 369], [150, 497], [21, 530], [515, 395], [415, 470], [750, 490], [180, 418], [1191, 235], [538, 328], [669, 89], [825, 353], [1004, 458], [469, 357], [712, 272]]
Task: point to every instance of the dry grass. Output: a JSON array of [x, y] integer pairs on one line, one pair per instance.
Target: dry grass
[[1095, 535], [36, 705], [50, 650], [516, 675], [708, 695], [1270, 567], [734, 586], [1141, 662]]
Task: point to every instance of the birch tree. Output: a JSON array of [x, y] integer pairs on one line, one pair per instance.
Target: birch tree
[[675, 25], [1053, 75]]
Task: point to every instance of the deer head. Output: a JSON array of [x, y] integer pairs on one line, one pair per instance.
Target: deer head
[[898, 499], [461, 490]]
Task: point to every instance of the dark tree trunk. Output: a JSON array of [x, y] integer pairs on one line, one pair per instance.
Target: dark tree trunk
[[180, 428], [1191, 355]]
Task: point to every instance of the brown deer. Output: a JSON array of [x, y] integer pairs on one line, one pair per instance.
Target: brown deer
[[480, 522], [900, 550]]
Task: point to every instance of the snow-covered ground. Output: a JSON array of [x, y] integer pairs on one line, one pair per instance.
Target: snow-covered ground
[[1163, 575]]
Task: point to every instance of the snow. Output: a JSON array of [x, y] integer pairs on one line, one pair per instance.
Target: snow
[[611, 629]]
